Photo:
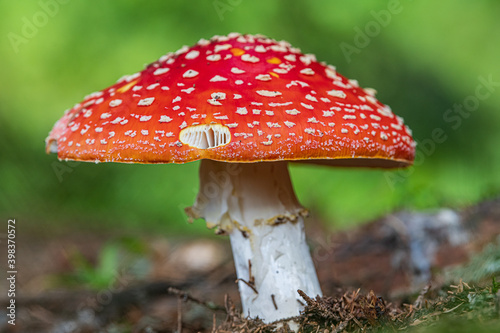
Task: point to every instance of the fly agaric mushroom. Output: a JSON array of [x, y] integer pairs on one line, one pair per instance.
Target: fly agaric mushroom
[[244, 105]]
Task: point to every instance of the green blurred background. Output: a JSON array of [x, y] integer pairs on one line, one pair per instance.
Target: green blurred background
[[425, 58]]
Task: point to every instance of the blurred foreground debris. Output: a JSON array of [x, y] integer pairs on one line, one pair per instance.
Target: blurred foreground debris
[[189, 285]]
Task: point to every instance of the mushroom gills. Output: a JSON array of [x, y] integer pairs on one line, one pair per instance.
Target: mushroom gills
[[52, 146], [205, 136]]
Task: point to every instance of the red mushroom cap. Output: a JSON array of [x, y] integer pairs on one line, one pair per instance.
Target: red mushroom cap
[[235, 98]]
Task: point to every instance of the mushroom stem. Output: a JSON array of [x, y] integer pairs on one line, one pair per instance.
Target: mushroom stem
[[255, 203]]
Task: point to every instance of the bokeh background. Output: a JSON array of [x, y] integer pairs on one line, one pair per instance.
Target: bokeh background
[[436, 63]]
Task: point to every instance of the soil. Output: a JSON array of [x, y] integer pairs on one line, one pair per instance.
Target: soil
[[189, 285]]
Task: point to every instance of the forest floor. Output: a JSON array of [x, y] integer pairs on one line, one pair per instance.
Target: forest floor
[[409, 271]]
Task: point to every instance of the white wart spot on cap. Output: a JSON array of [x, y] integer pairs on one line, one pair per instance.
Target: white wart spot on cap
[[311, 98], [307, 71], [131, 77], [216, 97], [330, 73], [165, 119], [214, 57], [268, 142], [150, 87], [307, 106], [268, 93], [218, 78], [222, 47], [160, 71], [273, 125], [74, 127], [296, 83], [249, 58], [192, 54], [115, 103], [273, 104], [292, 112], [260, 49], [263, 77], [146, 101], [242, 111], [336, 93], [236, 70], [280, 71], [353, 83], [370, 91], [307, 59], [116, 120], [396, 127], [386, 111], [190, 73], [278, 48], [131, 133], [85, 129], [188, 90]]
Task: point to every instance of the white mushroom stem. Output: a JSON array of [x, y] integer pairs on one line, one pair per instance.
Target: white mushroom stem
[[255, 203]]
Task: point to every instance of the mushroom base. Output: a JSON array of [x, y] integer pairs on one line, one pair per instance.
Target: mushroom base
[[256, 205]]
